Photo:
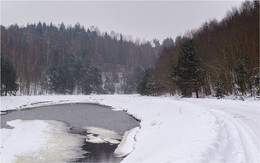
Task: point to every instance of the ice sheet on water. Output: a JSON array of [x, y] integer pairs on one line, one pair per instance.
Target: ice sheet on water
[[50, 141], [100, 135]]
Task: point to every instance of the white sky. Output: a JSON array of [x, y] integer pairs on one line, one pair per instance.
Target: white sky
[[143, 19]]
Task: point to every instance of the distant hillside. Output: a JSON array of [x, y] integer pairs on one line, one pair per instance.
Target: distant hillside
[[38, 51]]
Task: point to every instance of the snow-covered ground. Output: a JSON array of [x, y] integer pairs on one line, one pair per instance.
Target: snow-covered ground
[[171, 129]]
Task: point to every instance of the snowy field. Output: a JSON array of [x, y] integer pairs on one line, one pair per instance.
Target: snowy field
[[171, 130]]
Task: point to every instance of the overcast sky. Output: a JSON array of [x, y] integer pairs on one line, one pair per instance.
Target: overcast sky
[[146, 19]]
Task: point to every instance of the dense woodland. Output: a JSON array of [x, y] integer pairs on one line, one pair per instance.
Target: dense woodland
[[227, 54], [220, 58], [72, 59]]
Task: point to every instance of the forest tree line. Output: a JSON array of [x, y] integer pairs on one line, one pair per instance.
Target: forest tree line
[[74, 60], [220, 58]]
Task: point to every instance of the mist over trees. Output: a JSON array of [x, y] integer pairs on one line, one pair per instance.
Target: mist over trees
[[228, 53], [72, 59]]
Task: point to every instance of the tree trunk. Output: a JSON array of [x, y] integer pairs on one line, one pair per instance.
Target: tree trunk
[[196, 89]]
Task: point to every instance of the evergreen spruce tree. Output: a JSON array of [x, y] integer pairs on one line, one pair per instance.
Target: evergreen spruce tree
[[93, 80], [241, 76], [167, 42], [186, 72], [57, 79], [219, 88], [147, 84], [8, 78]]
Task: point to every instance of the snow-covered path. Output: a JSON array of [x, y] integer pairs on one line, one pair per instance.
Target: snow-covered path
[[247, 112], [177, 130], [240, 127], [240, 144]]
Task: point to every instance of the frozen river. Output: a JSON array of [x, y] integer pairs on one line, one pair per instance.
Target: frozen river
[[78, 117]]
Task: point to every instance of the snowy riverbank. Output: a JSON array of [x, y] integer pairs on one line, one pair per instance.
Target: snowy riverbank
[[178, 130]]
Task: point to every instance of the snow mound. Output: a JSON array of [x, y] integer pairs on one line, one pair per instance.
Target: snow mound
[[127, 144]]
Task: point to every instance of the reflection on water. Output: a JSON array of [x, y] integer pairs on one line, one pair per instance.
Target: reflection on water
[[77, 117], [99, 153]]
